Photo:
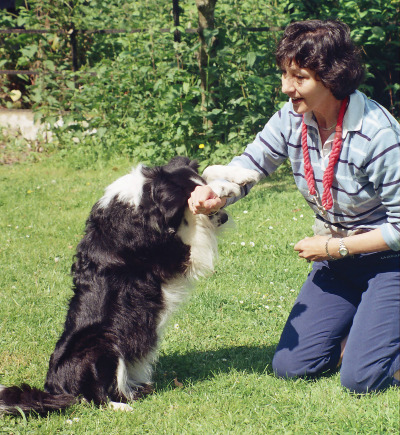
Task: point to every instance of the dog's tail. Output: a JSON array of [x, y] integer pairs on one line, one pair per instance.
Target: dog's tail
[[15, 399]]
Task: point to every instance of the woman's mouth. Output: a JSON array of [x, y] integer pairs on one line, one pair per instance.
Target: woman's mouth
[[296, 101]]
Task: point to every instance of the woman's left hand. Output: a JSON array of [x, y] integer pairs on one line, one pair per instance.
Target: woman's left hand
[[313, 248]]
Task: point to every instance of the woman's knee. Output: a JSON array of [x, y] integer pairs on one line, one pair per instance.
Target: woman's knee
[[361, 380], [284, 366], [289, 364]]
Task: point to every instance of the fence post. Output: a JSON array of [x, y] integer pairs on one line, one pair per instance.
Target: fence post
[[74, 48], [176, 12]]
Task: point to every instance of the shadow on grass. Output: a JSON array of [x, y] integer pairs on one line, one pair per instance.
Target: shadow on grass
[[202, 365]]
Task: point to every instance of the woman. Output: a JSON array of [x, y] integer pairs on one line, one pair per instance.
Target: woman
[[345, 152]]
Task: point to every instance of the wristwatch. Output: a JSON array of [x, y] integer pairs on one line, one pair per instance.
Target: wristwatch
[[343, 251]]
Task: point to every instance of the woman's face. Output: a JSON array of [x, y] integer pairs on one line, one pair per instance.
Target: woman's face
[[305, 89]]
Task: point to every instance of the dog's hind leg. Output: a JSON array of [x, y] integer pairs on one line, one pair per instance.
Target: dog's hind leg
[[119, 406], [134, 378]]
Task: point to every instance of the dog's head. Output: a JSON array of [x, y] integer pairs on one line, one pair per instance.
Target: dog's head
[[171, 186]]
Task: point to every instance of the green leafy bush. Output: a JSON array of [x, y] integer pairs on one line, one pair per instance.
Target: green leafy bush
[[138, 94]]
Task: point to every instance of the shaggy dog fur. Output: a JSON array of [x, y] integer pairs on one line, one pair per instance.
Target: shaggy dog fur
[[141, 251]]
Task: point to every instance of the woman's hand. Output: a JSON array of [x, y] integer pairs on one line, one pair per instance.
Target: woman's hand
[[313, 248], [205, 201]]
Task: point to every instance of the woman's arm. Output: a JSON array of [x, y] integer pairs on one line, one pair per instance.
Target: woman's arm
[[314, 248]]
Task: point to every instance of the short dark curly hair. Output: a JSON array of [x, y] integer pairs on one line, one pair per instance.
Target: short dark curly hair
[[326, 48]]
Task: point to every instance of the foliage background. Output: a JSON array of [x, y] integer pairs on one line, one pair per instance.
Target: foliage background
[[138, 95]]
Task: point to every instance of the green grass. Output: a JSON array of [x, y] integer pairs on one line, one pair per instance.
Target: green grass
[[219, 346]]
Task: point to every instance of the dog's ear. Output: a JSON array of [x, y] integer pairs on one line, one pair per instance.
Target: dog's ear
[[194, 164], [181, 162], [170, 200], [171, 187]]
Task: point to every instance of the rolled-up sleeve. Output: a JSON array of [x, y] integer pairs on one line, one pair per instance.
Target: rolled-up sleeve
[[383, 170]]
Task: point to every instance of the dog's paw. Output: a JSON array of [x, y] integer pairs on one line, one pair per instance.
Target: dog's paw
[[224, 188], [118, 406], [233, 174]]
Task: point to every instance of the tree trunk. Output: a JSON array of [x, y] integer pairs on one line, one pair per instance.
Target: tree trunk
[[206, 10]]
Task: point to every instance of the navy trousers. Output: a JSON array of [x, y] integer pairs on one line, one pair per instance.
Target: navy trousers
[[356, 296]]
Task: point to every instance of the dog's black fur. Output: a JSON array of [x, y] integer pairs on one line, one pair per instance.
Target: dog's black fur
[[128, 253]]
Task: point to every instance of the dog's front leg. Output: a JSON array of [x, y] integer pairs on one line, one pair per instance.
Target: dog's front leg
[[225, 181]]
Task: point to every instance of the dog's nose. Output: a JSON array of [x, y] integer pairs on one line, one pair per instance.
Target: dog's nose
[[223, 216], [219, 218]]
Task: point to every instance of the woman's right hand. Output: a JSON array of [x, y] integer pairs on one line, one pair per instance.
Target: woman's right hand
[[204, 200]]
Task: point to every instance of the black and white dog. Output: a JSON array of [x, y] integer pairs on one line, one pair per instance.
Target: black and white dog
[[141, 251]]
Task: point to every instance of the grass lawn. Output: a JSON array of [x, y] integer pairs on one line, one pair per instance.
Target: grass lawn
[[214, 372]]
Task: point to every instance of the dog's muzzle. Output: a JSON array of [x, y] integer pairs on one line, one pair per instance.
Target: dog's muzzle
[[219, 218]]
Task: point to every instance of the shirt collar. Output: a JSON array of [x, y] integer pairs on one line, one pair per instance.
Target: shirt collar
[[352, 120]]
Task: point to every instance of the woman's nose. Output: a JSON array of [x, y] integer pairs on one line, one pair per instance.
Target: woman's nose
[[287, 85]]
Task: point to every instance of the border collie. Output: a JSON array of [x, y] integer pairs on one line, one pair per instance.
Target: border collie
[[141, 251]]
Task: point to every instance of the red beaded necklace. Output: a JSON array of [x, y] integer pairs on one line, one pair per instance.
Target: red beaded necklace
[[327, 180]]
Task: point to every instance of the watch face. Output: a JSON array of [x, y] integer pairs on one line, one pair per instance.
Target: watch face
[[343, 251]]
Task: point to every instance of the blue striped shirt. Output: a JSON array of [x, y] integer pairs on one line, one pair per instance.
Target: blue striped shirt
[[366, 184]]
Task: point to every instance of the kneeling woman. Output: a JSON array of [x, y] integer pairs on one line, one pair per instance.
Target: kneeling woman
[[345, 152]]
